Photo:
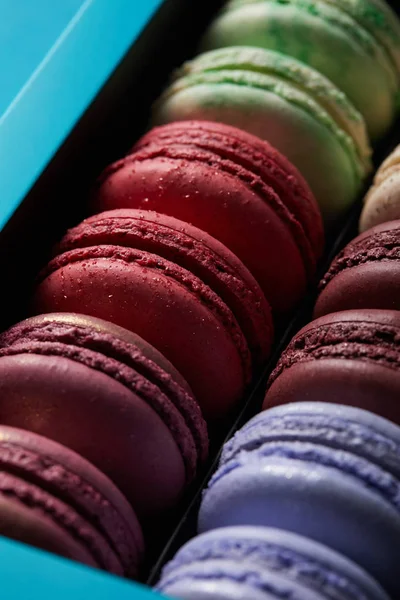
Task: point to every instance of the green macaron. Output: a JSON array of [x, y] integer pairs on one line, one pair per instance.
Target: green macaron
[[355, 43], [284, 102]]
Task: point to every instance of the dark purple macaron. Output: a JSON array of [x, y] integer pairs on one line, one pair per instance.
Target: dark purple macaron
[[54, 499], [108, 395], [366, 274], [350, 357]]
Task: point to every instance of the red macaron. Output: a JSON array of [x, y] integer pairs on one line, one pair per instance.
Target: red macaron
[[232, 185], [173, 285]]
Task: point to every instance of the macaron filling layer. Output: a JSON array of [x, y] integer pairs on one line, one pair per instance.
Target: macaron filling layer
[[305, 569], [365, 341], [365, 472], [377, 247]]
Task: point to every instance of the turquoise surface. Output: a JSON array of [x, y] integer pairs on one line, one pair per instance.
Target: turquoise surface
[[55, 55], [29, 574]]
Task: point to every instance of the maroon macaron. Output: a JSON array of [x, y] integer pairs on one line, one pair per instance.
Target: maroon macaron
[[366, 274], [173, 285], [235, 187], [54, 499], [350, 357], [109, 396]]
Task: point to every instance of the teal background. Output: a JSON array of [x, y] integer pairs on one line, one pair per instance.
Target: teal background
[[29, 574], [55, 55]]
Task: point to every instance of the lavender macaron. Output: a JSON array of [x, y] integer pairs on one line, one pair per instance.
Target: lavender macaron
[[324, 471], [262, 563]]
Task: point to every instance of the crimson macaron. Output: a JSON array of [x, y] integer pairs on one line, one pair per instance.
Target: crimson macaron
[[232, 185], [173, 285], [350, 357], [365, 274], [109, 396], [52, 498]]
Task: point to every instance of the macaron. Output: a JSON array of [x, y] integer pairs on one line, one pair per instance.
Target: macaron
[[350, 356], [193, 249], [233, 186], [382, 202], [283, 101], [365, 274], [137, 281], [263, 563], [109, 396], [324, 471], [52, 498], [354, 43]]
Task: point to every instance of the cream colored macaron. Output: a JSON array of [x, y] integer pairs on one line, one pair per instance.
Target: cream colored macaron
[[382, 202]]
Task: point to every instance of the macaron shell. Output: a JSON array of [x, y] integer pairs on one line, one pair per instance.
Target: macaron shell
[[382, 202], [113, 351], [251, 578], [192, 191], [102, 327], [324, 37], [32, 526], [73, 480], [275, 111], [280, 551], [307, 80], [195, 251], [261, 159], [364, 274], [311, 500], [56, 397], [369, 285], [62, 525], [350, 355], [351, 429]]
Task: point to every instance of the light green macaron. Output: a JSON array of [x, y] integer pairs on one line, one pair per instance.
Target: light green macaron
[[355, 43], [284, 102]]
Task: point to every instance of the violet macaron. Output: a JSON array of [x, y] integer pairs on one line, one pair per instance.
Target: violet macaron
[[175, 286], [109, 396], [351, 357], [263, 563], [365, 274], [324, 471], [54, 499]]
